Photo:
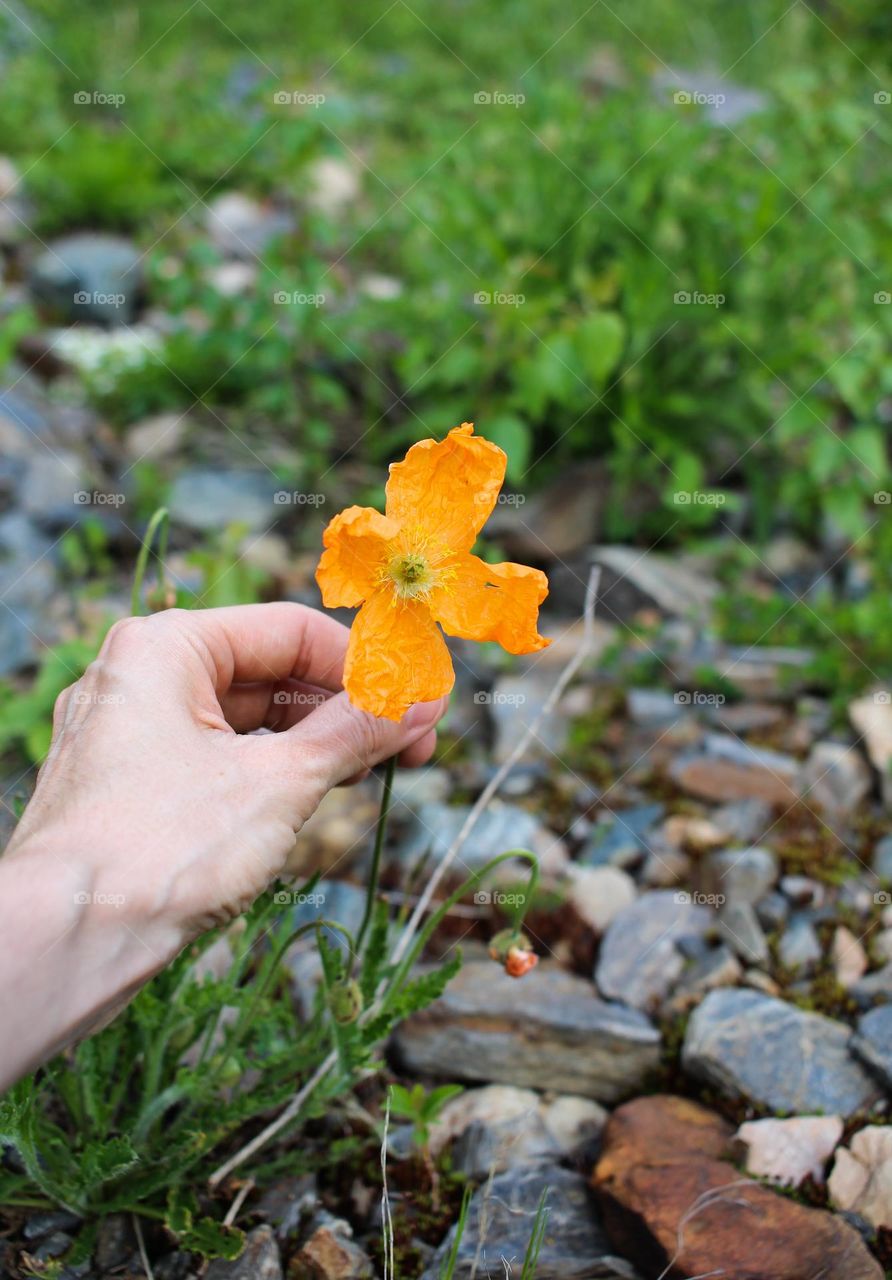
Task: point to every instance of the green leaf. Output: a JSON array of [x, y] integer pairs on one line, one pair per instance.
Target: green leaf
[[513, 435], [599, 341]]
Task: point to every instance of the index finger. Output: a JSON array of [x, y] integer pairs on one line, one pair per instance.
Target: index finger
[[262, 642]]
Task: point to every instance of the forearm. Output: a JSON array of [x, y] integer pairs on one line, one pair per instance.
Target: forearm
[[72, 952]]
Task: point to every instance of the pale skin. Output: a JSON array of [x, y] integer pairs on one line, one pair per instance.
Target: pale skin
[[158, 814]]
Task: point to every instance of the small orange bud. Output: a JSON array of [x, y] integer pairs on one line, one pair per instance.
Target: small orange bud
[[520, 961]]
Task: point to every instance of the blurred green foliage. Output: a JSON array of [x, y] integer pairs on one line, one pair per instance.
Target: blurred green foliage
[[597, 200]]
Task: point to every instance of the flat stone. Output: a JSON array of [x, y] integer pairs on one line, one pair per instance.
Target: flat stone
[[849, 957], [740, 928], [773, 911], [873, 1042], [717, 967], [741, 875], [658, 580], [500, 828], [873, 986], [835, 778], [766, 672], [808, 1069], [546, 1031], [414, 788], [871, 717], [243, 227], [743, 820], [882, 859], [500, 1222], [598, 894], [789, 1151], [653, 708], [802, 891], [673, 1202], [639, 960], [861, 1180], [499, 1127], [89, 276], [157, 437], [799, 946], [206, 499], [731, 770], [686, 831], [623, 839]]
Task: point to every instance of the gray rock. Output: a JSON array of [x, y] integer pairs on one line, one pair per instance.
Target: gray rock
[[773, 911], [653, 708], [115, 1241], [799, 946], [89, 277], [652, 580], [739, 926], [259, 1260], [514, 703], [39, 1225], [287, 1202], [835, 777], [176, 1265], [725, 746], [741, 875], [19, 643], [639, 959], [207, 498], [548, 1030], [725, 103], [873, 986], [802, 891], [882, 859], [873, 1042], [500, 828], [743, 820], [414, 788], [241, 226], [775, 1055], [622, 841], [53, 491], [717, 967], [500, 1223]]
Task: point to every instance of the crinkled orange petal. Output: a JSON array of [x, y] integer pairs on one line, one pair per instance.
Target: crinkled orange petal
[[355, 549], [396, 657], [480, 601], [447, 488]]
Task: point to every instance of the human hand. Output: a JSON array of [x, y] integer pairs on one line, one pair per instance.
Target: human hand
[[156, 815]]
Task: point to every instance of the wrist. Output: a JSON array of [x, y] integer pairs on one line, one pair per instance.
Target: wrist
[[76, 947]]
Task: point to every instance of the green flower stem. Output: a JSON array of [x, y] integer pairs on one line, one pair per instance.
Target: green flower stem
[[160, 524], [380, 832]]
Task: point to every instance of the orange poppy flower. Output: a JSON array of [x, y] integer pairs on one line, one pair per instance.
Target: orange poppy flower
[[412, 568]]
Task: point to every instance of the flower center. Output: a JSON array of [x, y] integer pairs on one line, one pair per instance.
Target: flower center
[[411, 574]]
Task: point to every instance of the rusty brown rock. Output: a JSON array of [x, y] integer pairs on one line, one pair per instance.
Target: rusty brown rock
[[723, 780], [669, 1194]]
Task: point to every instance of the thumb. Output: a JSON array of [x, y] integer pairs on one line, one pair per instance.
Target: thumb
[[337, 740]]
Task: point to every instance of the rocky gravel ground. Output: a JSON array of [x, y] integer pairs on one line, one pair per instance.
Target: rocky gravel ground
[[697, 1071]]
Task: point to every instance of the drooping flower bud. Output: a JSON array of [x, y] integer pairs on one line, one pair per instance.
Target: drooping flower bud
[[514, 951], [345, 1001]]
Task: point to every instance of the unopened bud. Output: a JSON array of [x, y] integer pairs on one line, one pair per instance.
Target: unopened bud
[[345, 1001]]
